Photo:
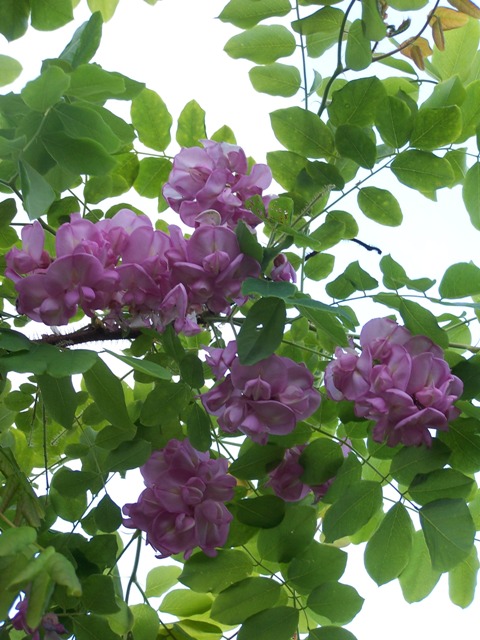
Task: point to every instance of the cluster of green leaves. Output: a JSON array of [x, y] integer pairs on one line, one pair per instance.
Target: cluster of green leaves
[[74, 421]]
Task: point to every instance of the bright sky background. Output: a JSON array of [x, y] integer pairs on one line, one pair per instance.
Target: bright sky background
[[176, 47]]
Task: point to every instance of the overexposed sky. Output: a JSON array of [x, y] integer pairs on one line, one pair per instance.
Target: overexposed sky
[[176, 48]]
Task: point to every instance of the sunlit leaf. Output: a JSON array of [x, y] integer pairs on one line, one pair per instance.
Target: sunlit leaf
[[262, 44]]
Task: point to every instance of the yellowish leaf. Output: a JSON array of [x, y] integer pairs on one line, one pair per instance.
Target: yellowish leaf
[[417, 49], [467, 7], [449, 18], [437, 33]]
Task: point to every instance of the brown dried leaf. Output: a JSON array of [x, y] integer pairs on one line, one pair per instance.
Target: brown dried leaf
[[467, 7], [449, 18], [437, 33]]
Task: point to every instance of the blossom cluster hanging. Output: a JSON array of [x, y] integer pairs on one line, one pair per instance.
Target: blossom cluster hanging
[[400, 381], [269, 397]]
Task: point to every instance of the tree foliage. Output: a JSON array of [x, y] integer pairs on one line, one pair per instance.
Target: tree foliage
[[315, 462]]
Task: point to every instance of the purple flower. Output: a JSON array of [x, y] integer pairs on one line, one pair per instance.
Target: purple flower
[[283, 270], [215, 177], [214, 268], [32, 258], [49, 622], [269, 397], [400, 381], [183, 506]]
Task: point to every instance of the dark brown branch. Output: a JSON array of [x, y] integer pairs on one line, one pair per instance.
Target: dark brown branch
[[95, 332]]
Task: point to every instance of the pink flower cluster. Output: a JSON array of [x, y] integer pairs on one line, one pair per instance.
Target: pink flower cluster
[[215, 177], [183, 506], [269, 397], [400, 381], [122, 262], [50, 624]]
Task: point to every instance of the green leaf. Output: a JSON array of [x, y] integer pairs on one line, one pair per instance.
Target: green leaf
[[445, 94], [285, 167], [144, 366], [470, 108], [38, 195], [61, 571], [45, 91], [105, 7], [463, 438], [245, 14], [318, 563], [91, 82], [107, 392], [146, 622], [173, 397], [248, 242], [352, 510], [354, 143], [184, 603], [460, 280], [256, 461], [337, 602], [276, 79], [93, 627], [191, 125], [418, 578], [10, 69], [388, 550], [420, 320], [380, 205], [412, 460], [394, 121], [161, 579], [262, 330], [457, 159], [152, 175], [462, 580], [14, 16], [191, 370], [263, 512], [129, 455], [302, 132], [198, 427], [151, 119], [71, 484], [205, 574], [326, 25], [59, 398], [80, 121], [108, 516], [471, 194], [320, 460], [290, 537], [279, 623], [16, 540], [375, 27], [48, 15], [319, 266], [78, 155], [330, 633], [243, 599], [449, 532], [460, 48], [268, 288], [262, 44], [442, 483], [84, 43], [358, 54], [356, 102], [422, 170], [99, 594], [317, 23], [434, 128]]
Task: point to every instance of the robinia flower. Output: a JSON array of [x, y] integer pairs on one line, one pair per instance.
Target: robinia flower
[[183, 505], [215, 177], [269, 397], [400, 381], [50, 624]]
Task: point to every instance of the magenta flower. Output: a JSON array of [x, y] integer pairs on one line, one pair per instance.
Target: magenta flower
[[32, 258], [183, 506], [215, 177], [269, 397], [282, 270], [400, 381]]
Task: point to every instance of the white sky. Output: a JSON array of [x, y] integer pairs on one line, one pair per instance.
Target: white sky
[[176, 47]]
